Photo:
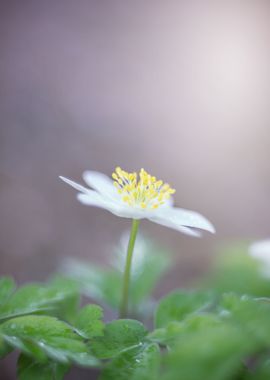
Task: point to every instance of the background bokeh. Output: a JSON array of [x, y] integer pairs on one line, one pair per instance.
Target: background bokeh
[[180, 88]]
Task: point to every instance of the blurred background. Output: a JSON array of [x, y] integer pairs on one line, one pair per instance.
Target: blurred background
[[180, 88]]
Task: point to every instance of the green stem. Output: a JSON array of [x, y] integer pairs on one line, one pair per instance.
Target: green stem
[[126, 279]]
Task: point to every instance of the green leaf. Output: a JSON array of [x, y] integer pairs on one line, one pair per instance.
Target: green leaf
[[34, 299], [89, 321], [251, 315], [45, 337], [140, 362], [5, 349], [103, 286], [28, 369], [236, 271], [177, 305], [67, 308], [214, 353], [170, 334], [7, 286], [118, 336]]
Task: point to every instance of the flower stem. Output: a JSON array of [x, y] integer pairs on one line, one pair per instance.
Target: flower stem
[[126, 279]]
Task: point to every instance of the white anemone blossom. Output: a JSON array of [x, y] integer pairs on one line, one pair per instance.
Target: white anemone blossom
[[138, 196], [260, 250]]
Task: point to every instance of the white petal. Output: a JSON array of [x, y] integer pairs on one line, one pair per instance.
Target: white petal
[[109, 205], [261, 250], [181, 219], [76, 185], [183, 229], [101, 183], [118, 207], [115, 206]]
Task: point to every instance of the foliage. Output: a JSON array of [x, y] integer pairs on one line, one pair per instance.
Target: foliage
[[219, 331], [150, 262], [118, 336]]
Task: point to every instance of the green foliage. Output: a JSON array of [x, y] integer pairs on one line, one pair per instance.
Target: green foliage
[[54, 298], [213, 353], [7, 286], [179, 304], [67, 307], [153, 264], [48, 344], [220, 334], [28, 369], [236, 271], [104, 285], [174, 330], [118, 336], [34, 298], [88, 322], [251, 315], [45, 337], [4, 348], [138, 362]]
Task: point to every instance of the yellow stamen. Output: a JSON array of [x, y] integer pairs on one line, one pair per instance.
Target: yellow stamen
[[142, 190]]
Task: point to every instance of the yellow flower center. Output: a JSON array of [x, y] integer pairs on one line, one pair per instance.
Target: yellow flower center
[[141, 190]]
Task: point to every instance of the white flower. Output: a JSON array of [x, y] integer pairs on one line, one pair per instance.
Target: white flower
[[138, 197], [260, 251]]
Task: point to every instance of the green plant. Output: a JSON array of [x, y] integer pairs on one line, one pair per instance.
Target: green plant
[[218, 331]]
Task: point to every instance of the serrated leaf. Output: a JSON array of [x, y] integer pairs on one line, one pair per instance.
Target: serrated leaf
[[252, 316], [177, 305], [89, 321], [7, 286], [33, 299], [214, 353], [45, 337], [118, 336], [175, 330], [28, 369], [137, 363], [67, 308]]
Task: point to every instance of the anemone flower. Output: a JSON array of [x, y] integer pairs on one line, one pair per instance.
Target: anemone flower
[[137, 196], [143, 198], [260, 250]]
